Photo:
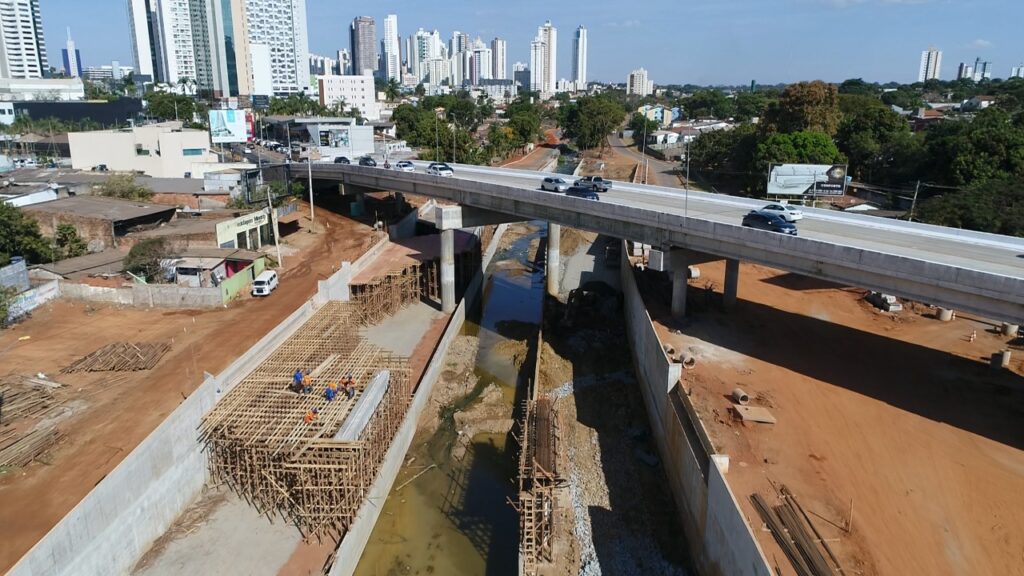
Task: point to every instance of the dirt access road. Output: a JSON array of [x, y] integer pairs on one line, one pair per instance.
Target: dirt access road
[[660, 173], [898, 415], [111, 419], [540, 156]]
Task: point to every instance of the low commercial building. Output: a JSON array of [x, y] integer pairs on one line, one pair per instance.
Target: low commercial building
[[164, 150], [109, 114], [249, 231], [101, 222], [210, 267], [353, 91], [50, 89]]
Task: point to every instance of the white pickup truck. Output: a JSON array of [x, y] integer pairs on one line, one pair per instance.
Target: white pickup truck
[[595, 183]]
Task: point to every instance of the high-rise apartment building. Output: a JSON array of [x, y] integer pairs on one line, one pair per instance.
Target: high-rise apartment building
[[481, 64], [521, 75], [22, 47], [548, 35], [142, 25], [72, 59], [499, 51], [579, 60], [425, 46], [638, 83], [931, 62], [1017, 71], [537, 64], [392, 56], [174, 24], [364, 45], [281, 26], [344, 62]]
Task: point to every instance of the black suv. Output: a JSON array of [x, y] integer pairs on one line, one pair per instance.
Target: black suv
[[769, 222], [342, 160], [367, 161]]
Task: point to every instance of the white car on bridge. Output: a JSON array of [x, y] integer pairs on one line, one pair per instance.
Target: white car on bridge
[[787, 212]]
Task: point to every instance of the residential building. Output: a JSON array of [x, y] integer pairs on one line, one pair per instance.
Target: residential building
[[437, 71], [262, 70], [106, 73], [344, 62], [364, 45], [281, 26], [426, 46], [499, 52], [175, 28], [323, 66], [964, 71], [501, 91], [163, 150], [521, 75], [981, 71], [548, 36], [537, 62], [228, 44], [1017, 71], [143, 27], [931, 63], [579, 61], [637, 83], [392, 56], [350, 91], [481, 64], [72, 59], [22, 46]]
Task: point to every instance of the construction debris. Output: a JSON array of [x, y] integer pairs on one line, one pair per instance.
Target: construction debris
[[25, 397], [789, 524], [21, 450], [262, 447], [754, 414], [121, 357]]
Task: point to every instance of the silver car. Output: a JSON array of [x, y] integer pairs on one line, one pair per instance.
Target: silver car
[[405, 166], [552, 184], [787, 212], [440, 169]]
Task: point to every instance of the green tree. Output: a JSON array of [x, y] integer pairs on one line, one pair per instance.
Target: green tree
[[995, 206], [641, 125], [751, 104], [145, 257], [865, 131], [20, 236], [7, 295], [123, 186], [858, 87], [963, 153], [591, 119], [905, 98], [169, 106], [805, 147], [713, 103], [392, 90], [420, 90], [804, 106], [69, 243]]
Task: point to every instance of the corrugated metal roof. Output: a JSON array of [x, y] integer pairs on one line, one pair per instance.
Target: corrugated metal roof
[[101, 208]]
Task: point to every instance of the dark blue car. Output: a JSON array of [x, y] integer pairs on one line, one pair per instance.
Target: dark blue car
[[769, 222], [585, 193]]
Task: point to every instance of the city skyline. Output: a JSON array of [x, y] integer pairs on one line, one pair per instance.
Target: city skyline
[[742, 38]]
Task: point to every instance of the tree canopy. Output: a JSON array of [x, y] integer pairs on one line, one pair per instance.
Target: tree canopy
[[20, 236], [591, 119], [805, 106]]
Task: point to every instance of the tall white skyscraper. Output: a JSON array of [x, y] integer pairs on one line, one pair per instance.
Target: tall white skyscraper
[[537, 65], [1017, 71], [72, 59], [548, 35], [281, 25], [579, 61], [499, 51], [931, 61], [637, 83], [22, 47], [392, 49], [426, 46], [481, 67], [143, 35], [175, 26]]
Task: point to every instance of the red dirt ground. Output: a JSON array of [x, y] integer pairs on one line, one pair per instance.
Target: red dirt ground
[[900, 415], [119, 416]]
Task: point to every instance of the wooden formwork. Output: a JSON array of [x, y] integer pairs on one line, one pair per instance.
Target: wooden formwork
[[387, 294], [261, 444], [539, 481]]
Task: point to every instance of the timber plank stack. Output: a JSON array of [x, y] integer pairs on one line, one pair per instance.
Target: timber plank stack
[[121, 357]]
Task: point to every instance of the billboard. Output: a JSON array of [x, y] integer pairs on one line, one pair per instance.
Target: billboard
[[809, 179], [228, 126], [334, 138]]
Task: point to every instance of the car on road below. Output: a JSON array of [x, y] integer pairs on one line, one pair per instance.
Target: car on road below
[[595, 183], [585, 193], [554, 184], [440, 169], [788, 212], [405, 166], [342, 160], [768, 222], [367, 161]]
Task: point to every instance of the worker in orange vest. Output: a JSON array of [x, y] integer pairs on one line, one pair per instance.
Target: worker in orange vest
[[311, 415]]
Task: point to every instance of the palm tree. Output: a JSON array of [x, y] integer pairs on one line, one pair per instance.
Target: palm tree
[[392, 90]]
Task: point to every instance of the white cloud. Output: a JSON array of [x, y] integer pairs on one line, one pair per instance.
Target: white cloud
[[624, 24], [981, 44]]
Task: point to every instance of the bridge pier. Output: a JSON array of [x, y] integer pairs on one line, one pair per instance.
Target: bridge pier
[[732, 282], [680, 274], [448, 271], [554, 252]]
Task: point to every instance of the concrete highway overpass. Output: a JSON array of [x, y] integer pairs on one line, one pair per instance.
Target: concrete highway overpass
[[959, 269]]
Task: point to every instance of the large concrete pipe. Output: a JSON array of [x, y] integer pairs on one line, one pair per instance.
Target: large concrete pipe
[[945, 314], [1001, 360], [740, 397], [1010, 330]]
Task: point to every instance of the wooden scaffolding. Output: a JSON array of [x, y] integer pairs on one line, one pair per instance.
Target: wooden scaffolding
[[539, 483], [385, 295], [262, 444]]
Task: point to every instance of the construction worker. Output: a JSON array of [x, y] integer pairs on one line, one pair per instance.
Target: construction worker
[[348, 386], [330, 391], [296, 385], [307, 382], [311, 415]]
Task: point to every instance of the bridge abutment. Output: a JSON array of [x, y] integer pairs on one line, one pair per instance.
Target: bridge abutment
[[554, 253]]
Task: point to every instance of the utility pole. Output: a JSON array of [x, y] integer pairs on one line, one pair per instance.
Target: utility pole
[[643, 149], [277, 230], [312, 219], [913, 203], [686, 185]]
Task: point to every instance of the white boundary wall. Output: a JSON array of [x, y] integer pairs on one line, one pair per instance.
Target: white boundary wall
[[716, 532]]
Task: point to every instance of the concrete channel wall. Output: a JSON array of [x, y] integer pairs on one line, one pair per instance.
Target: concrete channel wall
[[717, 534], [351, 548]]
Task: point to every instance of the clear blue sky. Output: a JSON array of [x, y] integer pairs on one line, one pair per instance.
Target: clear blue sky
[[678, 41]]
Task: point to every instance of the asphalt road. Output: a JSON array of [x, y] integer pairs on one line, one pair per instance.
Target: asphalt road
[[990, 253]]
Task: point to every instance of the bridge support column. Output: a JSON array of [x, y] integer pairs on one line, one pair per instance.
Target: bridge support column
[[680, 274], [732, 283], [448, 271], [553, 262]]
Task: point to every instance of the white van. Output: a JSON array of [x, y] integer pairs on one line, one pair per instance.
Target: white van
[[265, 283]]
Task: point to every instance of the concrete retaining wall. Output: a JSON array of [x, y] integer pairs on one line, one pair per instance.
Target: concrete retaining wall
[[718, 537], [145, 295], [404, 228], [110, 529], [15, 275]]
